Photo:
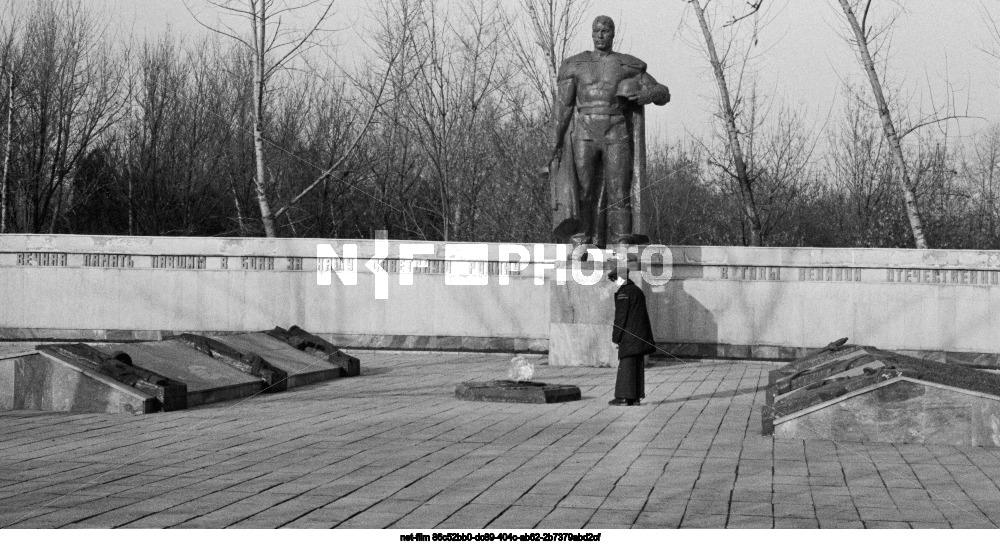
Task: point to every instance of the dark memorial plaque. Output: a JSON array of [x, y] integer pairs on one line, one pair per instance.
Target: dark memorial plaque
[[514, 391]]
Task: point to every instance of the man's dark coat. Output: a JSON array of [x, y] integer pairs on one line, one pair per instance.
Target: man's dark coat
[[632, 331]]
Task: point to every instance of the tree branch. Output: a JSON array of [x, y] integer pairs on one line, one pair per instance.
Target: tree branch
[[754, 8]]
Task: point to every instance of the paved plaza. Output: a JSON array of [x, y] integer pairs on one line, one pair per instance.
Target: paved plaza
[[394, 448]]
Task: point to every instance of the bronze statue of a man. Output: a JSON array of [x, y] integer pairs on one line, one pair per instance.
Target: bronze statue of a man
[[600, 95]]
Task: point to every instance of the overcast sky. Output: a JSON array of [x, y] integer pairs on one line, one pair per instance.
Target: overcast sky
[[803, 58]]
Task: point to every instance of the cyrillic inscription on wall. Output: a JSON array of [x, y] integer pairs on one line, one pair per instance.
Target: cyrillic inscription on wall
[[257, 263], [954, 277], [106, 260], [424, 266], [751, 273], [338, 264], [41, 259], [829, 274], [182, 262]]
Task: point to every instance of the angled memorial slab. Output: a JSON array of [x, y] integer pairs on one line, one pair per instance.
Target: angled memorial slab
[[208, 379], [273, 378], [80, 378], [301, 367], [860, 393], [179, 372], [311, 344]]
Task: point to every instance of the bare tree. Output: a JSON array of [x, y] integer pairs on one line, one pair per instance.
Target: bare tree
[[9, 60], [982, 171], [455, 103], [860, 173], [729, 100], [70, 97], [992, 26], [862, 38], [273, 44], [542, 43], [394, 163], [779, 156]]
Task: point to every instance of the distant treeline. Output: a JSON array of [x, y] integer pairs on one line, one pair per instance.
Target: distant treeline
[[441, 136]]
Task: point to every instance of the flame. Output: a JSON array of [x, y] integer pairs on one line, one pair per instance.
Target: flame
[[521, 369]]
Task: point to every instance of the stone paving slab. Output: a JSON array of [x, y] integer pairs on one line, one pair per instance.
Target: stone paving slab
[[394, 448]]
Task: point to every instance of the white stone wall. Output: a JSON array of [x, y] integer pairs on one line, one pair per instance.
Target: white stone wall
[[134, 287], [139, 287]]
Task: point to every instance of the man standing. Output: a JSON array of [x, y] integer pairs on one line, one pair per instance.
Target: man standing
[[598, 91], [634, 336]]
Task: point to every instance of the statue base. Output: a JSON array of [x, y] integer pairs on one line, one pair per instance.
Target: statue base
[[581, 322]]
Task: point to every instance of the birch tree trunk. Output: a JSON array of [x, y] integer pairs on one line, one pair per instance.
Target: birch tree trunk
[[6, 154], [728, 115], [259, 87], [888, 127]]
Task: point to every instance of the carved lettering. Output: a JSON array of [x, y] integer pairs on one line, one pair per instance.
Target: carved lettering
[[931, 276], [104, 260], [257, 263], [831, 274], [41, 259], [178, 262], [752, 273]]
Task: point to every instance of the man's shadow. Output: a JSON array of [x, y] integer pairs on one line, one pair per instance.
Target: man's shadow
[[682, 325], [716, 395]]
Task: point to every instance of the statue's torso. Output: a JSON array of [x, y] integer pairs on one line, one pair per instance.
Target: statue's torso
[[599, 111], [597, 79]]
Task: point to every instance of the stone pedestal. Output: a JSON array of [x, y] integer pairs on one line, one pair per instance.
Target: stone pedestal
[[581, 321]]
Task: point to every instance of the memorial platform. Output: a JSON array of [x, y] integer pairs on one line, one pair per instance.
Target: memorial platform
[[394, 448]]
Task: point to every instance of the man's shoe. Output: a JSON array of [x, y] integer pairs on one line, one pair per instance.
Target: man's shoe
[[616, 402], [633, 402]]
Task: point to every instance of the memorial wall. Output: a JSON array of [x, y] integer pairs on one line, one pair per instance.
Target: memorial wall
[[728, 301], [128, 288]]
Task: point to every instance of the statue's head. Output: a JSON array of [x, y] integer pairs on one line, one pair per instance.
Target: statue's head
[[603, 33]]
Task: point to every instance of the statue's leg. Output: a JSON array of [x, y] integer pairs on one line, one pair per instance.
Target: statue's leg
[[618, 178], [586, 158]]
